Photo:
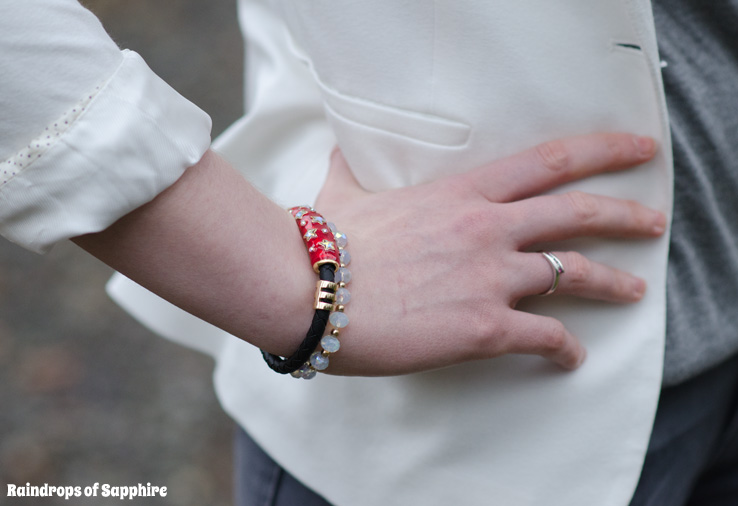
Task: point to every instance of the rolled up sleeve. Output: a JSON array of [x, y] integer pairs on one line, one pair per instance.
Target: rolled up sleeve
[[127, 137]]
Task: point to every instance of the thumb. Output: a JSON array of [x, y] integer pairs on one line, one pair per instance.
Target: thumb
[[340, 185]]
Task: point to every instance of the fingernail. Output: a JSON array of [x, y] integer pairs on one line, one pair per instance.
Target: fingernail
[[639, 288], [659, 225], [582, 357], [645, 145]]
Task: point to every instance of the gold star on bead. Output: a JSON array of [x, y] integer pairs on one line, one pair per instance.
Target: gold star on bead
[[317, 219], [327, 245], [310, 234]]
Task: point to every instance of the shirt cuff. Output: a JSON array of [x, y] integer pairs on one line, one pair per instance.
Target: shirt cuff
[[134, 139]]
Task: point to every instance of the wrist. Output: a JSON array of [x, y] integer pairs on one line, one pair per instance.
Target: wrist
[[325, 247]]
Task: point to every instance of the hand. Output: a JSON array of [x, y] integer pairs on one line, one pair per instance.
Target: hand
[[431, 264]]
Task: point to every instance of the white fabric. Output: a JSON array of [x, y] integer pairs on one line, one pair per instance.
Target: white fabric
[[134, 138], [412, 91]]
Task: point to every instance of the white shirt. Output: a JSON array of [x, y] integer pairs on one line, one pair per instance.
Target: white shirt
[[104, 134]]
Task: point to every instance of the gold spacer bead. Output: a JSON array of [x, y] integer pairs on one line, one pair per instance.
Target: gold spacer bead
[[325, 295], [324, 305], [330, 285], [341, 284], [335, 332], [340, 307]]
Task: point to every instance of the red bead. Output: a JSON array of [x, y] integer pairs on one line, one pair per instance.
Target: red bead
[[318, 238]]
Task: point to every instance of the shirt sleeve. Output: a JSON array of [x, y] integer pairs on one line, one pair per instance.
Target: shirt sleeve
[[87, 132]]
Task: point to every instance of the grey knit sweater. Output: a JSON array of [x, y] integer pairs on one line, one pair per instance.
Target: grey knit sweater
[[699, 42]]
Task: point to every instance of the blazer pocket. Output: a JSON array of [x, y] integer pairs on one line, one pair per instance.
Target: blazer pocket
[[426, 128], [414, 125]]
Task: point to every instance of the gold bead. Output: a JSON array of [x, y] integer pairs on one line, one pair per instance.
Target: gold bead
[[340, 307], [324, 295], [327, 306], [335, 332]]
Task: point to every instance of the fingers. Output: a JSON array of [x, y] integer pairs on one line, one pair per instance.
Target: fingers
[[540, 335], [581, 277], [552, 164], [577, 214], [527, 333]]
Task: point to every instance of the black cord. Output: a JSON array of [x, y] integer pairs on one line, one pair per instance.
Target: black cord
[[314, 334]]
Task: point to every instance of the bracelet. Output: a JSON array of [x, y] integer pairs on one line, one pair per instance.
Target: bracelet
[[328, 257], [319, 360]]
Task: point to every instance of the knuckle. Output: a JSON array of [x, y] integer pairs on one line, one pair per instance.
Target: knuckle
[[476, 225], [578, 268], [490, 338], [622, 285], [553, 155], [583, 206], [617, 150], [638, 215], [556, 337]]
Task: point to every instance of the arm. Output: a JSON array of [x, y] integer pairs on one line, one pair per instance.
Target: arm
[[217, 248], [422, 272]]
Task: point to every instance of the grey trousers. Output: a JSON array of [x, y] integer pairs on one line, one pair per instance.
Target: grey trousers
[[692, 458]]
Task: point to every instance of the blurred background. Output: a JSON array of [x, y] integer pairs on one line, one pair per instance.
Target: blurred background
[[86, 394]]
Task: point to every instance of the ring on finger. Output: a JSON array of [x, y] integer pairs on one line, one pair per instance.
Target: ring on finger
[[558, 269]]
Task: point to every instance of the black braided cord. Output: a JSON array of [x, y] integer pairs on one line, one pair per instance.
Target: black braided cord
[[310, 343]]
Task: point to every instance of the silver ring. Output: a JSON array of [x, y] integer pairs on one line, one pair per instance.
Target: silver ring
[[558, 270]]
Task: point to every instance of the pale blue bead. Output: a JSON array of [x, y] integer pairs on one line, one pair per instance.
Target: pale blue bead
[[338, 319], [345, 257], [343, 296], [343, 274], [341, 239], [319, 361], [331, 344], [304, 372], [332, 227]]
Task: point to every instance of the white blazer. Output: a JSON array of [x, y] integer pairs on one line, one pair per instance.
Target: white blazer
[[412, 91]]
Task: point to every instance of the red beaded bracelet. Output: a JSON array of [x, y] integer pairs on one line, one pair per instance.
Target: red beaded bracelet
[[325, 247]]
